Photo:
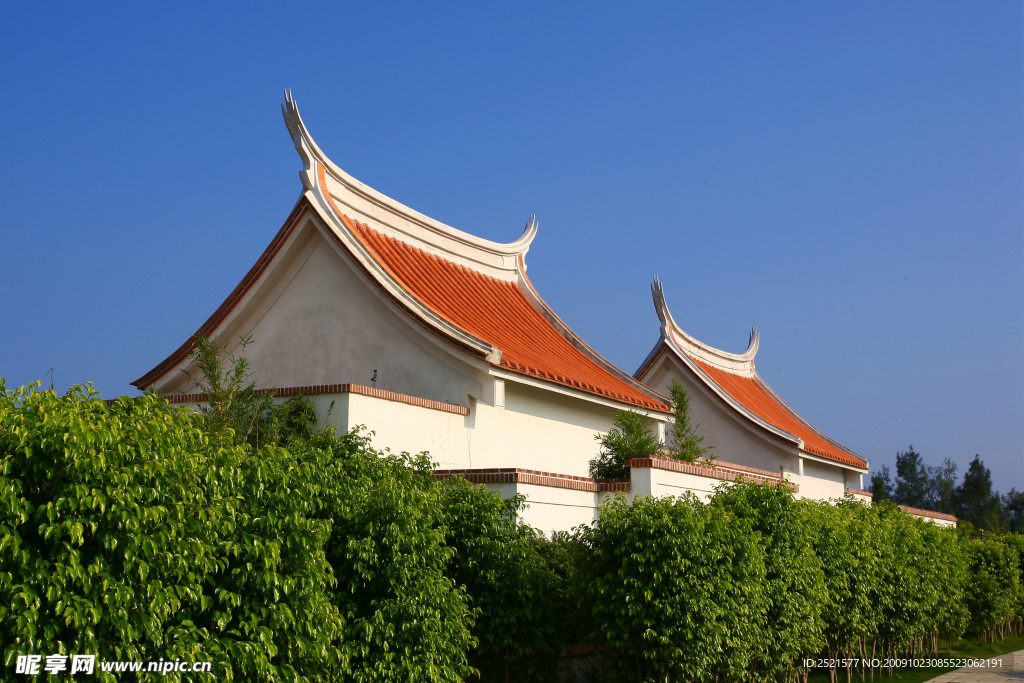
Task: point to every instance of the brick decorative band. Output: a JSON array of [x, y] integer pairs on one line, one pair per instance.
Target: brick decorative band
[[515, 475], [918, 512], [706, 471], [749, 470], [858, 492], [315, 389], [730, 466]]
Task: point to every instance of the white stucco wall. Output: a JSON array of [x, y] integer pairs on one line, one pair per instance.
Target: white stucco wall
[[400, 427], [820, 481], [538, 430], [550, 508], [651, 481]]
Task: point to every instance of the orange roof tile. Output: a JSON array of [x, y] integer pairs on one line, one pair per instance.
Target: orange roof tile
[[498, 313], [755, 398]]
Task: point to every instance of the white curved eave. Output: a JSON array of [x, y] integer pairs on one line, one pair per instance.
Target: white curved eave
[[329, 217], [736, 363], [387, 215]]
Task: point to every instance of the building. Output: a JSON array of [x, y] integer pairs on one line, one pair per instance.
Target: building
[[436, 340], [741, 415]]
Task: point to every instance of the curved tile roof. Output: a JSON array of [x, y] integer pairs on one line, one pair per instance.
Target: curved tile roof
[[495, 311], [751, 392]]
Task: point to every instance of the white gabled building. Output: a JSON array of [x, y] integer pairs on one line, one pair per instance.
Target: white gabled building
[[436, 340], [432, 337], [740, 414]]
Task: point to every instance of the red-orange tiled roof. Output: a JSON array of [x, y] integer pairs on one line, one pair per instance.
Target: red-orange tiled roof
[[752, 396], [498, 313]]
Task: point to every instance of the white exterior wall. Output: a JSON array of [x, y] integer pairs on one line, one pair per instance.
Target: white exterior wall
[[651, 481], [400, 427], [820, 481], [326, 327], [551, 508], [538, 430], [314, 319]]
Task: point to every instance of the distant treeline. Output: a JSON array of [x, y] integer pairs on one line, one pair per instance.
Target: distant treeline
[[936, 488]]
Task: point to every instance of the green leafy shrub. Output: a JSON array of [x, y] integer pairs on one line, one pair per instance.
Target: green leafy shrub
[[675, 590], [794, 578], [517, 583], [405, 618], [629, 437], [995, 586], [129, 532]]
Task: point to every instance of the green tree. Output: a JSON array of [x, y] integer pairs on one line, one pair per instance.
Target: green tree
[[942, 488], [794, 577], [1013, 508], [519, 595], [911, 479], [995, 586], [129, 531], [881, 485], [232, 402], [976, 503], [405, 618], [675, 590], [686, 442], [629, 437]]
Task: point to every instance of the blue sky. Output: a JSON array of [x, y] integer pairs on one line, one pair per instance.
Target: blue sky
[[847, 176]]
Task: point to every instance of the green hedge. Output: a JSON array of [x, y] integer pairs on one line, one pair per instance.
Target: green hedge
[[136, 531]]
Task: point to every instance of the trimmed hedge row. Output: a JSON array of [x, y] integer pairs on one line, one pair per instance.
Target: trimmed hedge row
[[135, 531], [749, 585]]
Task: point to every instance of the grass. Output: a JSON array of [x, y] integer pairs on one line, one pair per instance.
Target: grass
[[966, 648]]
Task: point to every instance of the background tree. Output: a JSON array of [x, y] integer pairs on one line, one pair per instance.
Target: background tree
[[881, 485], [686, 442], [911, 479], [942, 488], [975, 500], [1013, 509]]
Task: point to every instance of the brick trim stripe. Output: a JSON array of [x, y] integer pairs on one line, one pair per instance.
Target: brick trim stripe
[[918, 512], [516, 475], [729, 466], [748, 470], [315, 389], [858, 492], [671, 465]]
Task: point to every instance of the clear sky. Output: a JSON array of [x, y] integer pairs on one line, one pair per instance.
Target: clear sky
[[845, 175]]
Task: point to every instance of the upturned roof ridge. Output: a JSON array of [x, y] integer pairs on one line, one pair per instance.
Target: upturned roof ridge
[[363, 203]]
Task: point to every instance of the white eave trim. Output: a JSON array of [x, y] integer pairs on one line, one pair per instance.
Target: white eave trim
[[493, 258], [736, 363], [529, 380]]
